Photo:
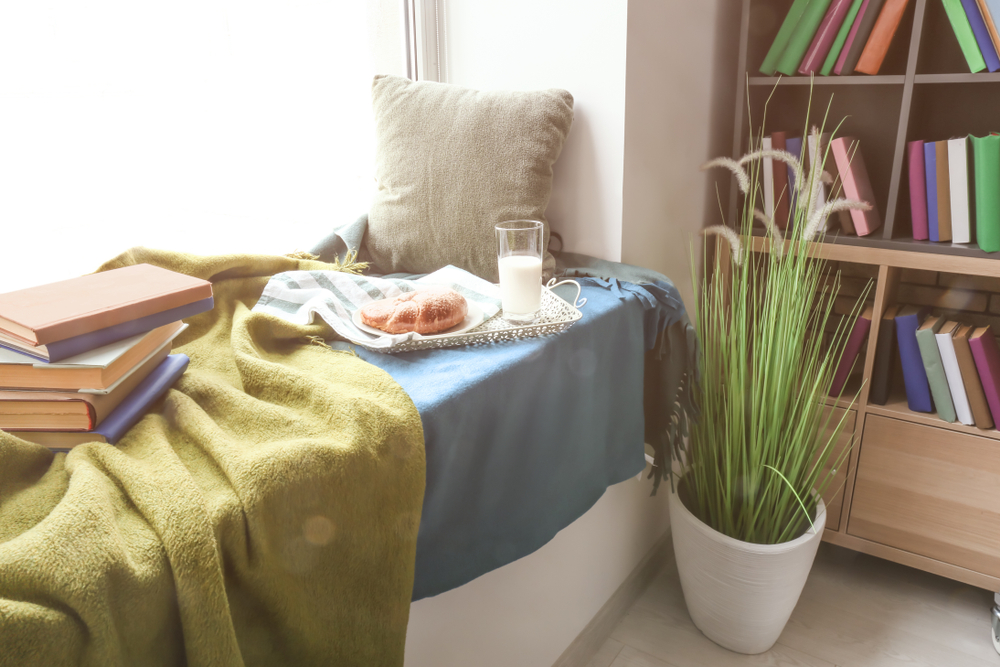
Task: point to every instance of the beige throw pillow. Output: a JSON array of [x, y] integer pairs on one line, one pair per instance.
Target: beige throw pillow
[[451, 163]]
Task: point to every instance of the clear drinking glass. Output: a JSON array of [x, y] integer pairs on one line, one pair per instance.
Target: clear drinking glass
[[519, 257]]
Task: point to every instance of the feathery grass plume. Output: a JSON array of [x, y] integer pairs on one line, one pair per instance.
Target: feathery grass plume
[[777, 238], [818, 219], [735, 245], [774, 154], [732, 165], [815, 181]]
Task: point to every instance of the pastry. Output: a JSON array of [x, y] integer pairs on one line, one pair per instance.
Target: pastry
[[426, 311]]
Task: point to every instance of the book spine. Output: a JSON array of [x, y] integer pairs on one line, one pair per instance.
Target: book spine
[[990, 24], [930, 181], [918, 192], [958, 182], [846, 28], [993, 10], [949, 361], [936, 379], [781, 191], [822, 41], [982, 35], [854, 176], [788, 27], [970, 378], [768, 171], [984, 352], [131, 410], [986, 172], [817, 148], [878, 42], [943, 191], [799, 41], [859, 333], [856, 41], [963, 33], [918, 395], [794, 146], [885, 362]]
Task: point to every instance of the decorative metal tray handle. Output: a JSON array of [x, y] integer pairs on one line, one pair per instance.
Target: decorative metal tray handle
[[577, 301]]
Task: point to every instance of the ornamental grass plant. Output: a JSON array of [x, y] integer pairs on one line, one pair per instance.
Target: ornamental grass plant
[[763, 444]]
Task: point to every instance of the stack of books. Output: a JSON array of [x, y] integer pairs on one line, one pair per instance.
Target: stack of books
[[948, 367], [941, 177], [842, 160], [975, 26], [834, 36], [82, 360]]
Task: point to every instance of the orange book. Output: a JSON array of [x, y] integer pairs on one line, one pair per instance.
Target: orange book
[[943, 191], [881, 37], [68, 308]]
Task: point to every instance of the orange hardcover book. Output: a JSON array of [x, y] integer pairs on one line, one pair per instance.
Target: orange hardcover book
[[60, 310], [943, 191], [881, 37]]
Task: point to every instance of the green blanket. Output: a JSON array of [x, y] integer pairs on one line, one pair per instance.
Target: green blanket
[[264, 513]]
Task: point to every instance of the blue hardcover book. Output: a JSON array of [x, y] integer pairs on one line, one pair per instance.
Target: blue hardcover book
[[930, 176], [63, 349], [982, 34], [918, 391], [147, 392], [794, 146]]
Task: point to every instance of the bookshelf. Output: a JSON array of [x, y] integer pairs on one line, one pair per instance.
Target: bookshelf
[[918, 490]]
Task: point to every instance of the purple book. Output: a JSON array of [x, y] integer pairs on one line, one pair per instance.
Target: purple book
[[982, 34], [987, 357], [918, 391], [138, 402], [825, 34], [842, 59], [859, 333], [930, 186], [918, 190]]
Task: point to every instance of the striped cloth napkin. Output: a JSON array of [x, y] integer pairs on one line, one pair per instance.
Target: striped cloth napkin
[[299, 296]]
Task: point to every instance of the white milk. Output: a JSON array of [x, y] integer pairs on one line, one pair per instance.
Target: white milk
[[520, 283]]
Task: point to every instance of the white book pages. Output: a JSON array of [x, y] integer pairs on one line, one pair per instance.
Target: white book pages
[[958, 177], [768, 171], [946, 347]]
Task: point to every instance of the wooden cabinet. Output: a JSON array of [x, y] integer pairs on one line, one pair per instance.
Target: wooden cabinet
[[834, 496]]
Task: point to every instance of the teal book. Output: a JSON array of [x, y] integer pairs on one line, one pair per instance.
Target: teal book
[[963, 32], [936, 377], [788, 27], [841, 38], [986, 174], [799, 42]]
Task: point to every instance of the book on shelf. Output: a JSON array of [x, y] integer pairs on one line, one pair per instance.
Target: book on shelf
[[96, 371], [970, 378], [931, 357], [781, 189], [963, 33], [837, 189], [854, 176], [816, 151], [990, 23], [991, 13], [794, 146], [943, 191], [958, 182], [885, 358], [124, 416], [767, 178], [986, 174], [826, 33], [930, 176], [952, 372], [918, 190], [68, 308], [846, 26], [858, 37], [788, 26], [34, 409], [798, 41], [881, 37], [982, 34], [987, 358], [918, 394], [852, 349]]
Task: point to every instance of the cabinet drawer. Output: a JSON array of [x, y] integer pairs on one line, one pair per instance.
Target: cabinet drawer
[[929, 491], [834, 496]]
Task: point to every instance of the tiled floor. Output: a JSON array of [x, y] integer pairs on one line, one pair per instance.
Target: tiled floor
[[855, 611]]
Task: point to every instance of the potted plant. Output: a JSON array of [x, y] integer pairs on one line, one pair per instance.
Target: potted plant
[[747, 515]]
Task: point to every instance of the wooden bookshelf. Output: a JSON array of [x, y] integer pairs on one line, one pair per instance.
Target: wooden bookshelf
[[919, 490]]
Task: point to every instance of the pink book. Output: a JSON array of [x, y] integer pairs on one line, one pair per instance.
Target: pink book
[[825, 34], [842, 59], [987, 356], [854, 176], [918, 191], [859, 333]]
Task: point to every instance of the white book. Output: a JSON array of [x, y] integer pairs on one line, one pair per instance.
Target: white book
[[817, 153], [958, 177], [768, 169], [946, 346]]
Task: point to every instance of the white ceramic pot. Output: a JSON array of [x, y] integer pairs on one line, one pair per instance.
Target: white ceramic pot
[[739, 594]]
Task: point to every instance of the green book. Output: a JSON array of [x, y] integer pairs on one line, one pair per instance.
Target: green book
[[986, 163], [931, 356], [798, 43], [838, 41], [963, 31], [784, 33]]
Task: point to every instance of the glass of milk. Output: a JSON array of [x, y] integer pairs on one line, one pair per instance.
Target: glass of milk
[[519, 257]]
